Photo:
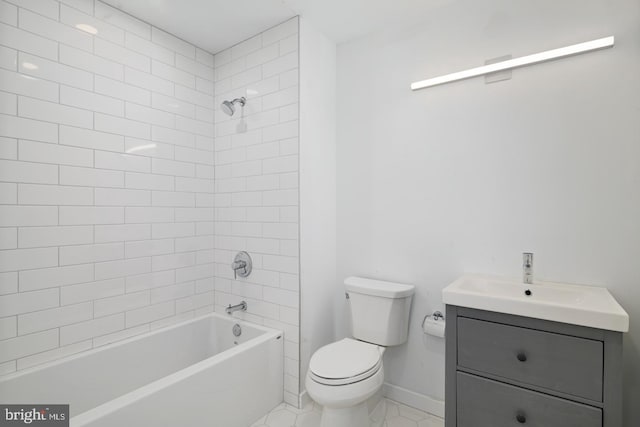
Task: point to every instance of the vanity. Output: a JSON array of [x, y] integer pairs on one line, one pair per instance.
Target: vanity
[[539, 355]]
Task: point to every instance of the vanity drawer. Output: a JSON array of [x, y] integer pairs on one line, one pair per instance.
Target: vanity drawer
[[555, 362], [487, 403]]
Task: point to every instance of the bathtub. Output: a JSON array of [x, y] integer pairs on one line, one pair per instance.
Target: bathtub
[[193, 374]]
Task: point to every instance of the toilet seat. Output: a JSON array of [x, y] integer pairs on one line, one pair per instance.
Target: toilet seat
[[345, 362]]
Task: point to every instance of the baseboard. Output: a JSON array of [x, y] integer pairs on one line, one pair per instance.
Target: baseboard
[[413, 399], [400, 395]]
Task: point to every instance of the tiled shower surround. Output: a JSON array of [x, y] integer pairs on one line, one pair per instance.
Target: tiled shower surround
[[256, 184], [107, 179], [107, 195]]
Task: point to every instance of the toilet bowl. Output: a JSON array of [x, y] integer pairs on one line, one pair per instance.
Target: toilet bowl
[[341, 377], [344, 374]]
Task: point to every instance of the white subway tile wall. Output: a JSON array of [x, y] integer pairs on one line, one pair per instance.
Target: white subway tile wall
[[106, 179], [256, 185]]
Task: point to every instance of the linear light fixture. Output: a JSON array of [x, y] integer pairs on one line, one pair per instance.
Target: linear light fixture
[[518, 62]]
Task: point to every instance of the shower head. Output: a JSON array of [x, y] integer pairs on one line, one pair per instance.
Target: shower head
[[228, 107]]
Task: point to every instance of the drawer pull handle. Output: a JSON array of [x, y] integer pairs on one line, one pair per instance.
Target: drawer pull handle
[[522, 357], [521, 418]]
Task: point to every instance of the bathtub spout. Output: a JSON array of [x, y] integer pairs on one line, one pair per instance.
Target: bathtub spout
[[238, 307]]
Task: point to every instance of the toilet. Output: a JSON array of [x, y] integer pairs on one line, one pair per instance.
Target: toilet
[[344, 374]]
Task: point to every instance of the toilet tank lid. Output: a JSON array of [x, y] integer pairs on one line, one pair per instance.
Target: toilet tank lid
[[379, 288]]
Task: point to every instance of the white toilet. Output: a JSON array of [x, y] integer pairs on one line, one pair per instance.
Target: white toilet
[[344, 374]]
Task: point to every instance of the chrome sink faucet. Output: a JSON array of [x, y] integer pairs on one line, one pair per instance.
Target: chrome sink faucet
[[527, 268]]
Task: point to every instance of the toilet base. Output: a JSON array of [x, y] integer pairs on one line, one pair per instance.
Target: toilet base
[[354, 416]]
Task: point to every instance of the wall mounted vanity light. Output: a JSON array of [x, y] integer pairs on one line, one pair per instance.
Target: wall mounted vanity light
[[535, 58]]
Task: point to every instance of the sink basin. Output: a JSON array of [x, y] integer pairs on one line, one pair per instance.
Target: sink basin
[[575, 304]]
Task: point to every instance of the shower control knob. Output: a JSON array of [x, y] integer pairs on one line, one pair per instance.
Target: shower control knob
[[241, 265]]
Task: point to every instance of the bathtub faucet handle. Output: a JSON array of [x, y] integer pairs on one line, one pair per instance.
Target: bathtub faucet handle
[[237, 265], [241, 265]]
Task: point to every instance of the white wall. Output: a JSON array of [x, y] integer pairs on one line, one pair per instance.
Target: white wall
[[256, 190], [318, 284], [465, 177], [106, 170]]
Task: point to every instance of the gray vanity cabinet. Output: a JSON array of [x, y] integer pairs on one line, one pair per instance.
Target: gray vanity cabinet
[[504, 370]]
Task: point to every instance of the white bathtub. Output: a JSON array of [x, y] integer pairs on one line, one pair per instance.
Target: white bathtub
[[193, 374]]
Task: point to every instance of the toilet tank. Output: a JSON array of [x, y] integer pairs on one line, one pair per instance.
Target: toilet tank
[[379, 310]]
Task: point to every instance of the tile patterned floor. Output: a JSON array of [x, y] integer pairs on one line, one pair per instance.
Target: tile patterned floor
[[397, 415]]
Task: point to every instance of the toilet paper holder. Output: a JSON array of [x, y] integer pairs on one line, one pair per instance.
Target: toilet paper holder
[[434, 324], [436, 315]]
